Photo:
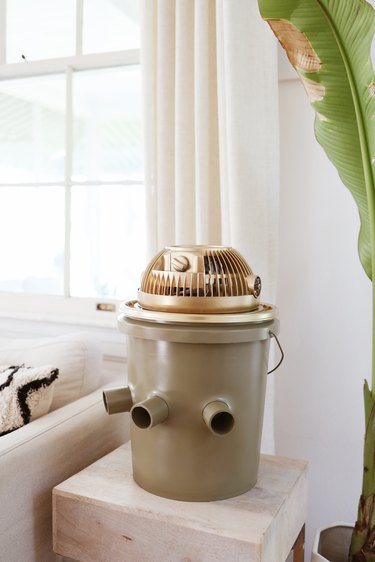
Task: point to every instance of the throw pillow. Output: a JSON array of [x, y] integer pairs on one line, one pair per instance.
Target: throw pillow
[[25, 394]]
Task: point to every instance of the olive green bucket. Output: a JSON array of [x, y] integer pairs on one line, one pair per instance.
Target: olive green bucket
[[198, 394]]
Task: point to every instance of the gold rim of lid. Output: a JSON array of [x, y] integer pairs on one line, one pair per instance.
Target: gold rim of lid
[[132, 309]]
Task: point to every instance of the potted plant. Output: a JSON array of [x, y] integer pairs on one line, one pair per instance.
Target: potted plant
[[329, 42]]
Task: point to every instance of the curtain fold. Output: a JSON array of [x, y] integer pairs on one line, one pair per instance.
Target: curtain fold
[[211, 132], [248, 120], [207, 161], [184, 123]]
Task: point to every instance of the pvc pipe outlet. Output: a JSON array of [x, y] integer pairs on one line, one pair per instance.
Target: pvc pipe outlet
[[218, 417], [117, 399], [149, 412]]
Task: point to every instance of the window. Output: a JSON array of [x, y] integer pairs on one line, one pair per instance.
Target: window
[[72, 219]]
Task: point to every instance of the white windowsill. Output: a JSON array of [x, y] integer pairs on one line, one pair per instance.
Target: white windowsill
[[53, 309]]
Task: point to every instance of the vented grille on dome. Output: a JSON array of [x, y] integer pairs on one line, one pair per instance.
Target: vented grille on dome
[[199, 279]]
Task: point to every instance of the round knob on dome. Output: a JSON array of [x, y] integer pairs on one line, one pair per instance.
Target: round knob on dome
[[255, 285], [180, 263]]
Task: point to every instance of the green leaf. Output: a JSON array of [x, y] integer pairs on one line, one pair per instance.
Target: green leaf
[[328, 42]]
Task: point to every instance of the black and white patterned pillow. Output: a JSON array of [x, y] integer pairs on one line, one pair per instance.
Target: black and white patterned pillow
[[25, 394]]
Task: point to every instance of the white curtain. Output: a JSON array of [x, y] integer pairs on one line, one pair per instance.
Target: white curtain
[[211, 133]]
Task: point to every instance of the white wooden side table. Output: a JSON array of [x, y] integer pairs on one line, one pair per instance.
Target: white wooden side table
[[102, 515]]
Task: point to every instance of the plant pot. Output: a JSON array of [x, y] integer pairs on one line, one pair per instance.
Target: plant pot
[[331, 544]]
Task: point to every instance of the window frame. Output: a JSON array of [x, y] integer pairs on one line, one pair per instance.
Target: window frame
[[62, 308]]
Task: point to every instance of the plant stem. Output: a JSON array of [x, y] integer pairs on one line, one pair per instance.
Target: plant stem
[[372, 220], [362, 547]]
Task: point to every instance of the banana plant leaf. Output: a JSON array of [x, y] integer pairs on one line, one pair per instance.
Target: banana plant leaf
[[329, 42]]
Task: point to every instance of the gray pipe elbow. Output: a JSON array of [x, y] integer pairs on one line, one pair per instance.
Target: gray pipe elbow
[[149, 412], [117, 400], [218, 417]]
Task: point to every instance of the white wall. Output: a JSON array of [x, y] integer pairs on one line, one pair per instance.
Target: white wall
[[325, 312]]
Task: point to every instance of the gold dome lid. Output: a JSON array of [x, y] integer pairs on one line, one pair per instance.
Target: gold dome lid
[[199, 279]]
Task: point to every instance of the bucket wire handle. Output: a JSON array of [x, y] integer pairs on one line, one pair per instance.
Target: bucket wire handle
[[281, 351]]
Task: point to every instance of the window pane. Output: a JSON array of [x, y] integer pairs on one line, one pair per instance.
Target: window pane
[[32, 129], [107, 241], [107, 142], [32, 239], [40, 29], [110, 25]]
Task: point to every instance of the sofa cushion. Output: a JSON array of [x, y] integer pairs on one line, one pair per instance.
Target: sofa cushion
[[77, 355], [25, 394]]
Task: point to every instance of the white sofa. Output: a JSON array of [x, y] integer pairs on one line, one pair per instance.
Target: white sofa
[[34, 458]]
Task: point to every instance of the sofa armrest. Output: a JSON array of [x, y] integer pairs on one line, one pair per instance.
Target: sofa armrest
[[40, 455]]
